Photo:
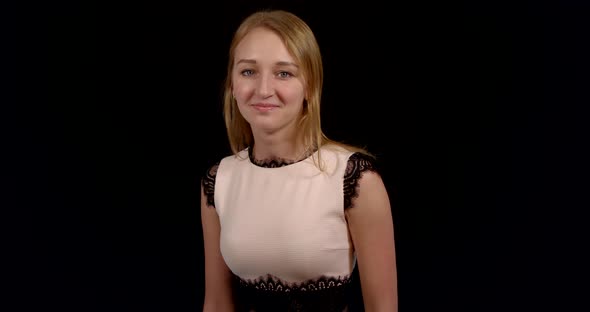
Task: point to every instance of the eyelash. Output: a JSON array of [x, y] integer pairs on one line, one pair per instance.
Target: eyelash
[[286, 72], [244, 72], [249, 72]]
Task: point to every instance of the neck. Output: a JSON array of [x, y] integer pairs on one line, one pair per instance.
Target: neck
[[278, 145]]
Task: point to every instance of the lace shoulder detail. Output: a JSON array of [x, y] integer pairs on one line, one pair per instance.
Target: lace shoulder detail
[[208, 182], [358, 163], [270, 293]]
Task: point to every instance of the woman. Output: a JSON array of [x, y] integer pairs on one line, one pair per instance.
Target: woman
[[288, 216]]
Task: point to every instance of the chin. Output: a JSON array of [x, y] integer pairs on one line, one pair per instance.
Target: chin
[[261, 122], [265, 128]]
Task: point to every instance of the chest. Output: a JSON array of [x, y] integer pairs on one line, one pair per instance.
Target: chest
[[292, 226]]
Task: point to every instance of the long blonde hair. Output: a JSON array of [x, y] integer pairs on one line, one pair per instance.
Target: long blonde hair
[[302, 45]]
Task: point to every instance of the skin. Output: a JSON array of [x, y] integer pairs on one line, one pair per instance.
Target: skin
[[218, 291], [270, 91], [371, 227]]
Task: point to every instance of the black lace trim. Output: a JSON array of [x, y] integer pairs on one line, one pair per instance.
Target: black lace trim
[[275, 162], [275, 284], [358, 163], [208, 182], [270, 293]]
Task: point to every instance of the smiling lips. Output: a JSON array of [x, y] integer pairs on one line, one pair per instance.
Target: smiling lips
[[264, 107]]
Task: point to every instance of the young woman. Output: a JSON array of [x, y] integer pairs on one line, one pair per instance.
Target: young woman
[[288, 216]]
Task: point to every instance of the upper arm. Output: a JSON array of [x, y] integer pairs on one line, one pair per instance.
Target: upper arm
[[218, 278], [371, 227]]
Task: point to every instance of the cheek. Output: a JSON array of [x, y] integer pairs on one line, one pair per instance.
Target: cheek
[[293, 95], [242, 91]]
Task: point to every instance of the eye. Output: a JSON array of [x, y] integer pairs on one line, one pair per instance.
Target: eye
[[247, 72], [285, 74]]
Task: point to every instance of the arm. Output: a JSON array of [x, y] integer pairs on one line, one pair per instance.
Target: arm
[[218, 290], [371, 227]]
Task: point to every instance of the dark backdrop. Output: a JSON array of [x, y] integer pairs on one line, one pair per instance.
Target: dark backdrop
[[474, 111]]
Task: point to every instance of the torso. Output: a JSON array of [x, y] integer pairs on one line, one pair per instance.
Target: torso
[[285, 225]]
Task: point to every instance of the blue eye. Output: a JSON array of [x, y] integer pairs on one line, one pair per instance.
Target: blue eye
[[246, 72], [285, 74]]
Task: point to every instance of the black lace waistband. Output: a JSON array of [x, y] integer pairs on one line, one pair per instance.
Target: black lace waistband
[[326, 294]]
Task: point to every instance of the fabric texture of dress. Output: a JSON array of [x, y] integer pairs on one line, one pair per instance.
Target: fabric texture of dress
[[284, 233]]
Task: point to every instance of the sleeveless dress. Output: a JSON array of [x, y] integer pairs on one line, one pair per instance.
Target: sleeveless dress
[[284, 233]]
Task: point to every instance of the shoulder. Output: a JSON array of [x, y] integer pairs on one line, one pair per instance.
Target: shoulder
[[359, 163], [336, 152], [208, 183], [212, 168], [361, 172], [356, 158], [209, 177], [211, 171]]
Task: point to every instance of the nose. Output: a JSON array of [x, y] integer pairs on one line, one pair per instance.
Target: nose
[[265, 86]]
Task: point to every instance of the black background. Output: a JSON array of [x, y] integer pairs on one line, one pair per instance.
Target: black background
[[474, 109]]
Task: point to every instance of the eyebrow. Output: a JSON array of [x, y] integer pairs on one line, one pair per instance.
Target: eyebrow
[[282, 63]]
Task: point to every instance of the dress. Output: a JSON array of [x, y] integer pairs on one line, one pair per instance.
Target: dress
[[284, 233]]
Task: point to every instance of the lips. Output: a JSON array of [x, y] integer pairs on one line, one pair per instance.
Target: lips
[[264, 107]]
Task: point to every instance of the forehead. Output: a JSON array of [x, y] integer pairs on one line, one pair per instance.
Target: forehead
[[262, 45]]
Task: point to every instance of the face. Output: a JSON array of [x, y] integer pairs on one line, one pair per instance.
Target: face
[[267, 84]]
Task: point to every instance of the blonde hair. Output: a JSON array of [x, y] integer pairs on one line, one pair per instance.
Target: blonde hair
[[302, 45]]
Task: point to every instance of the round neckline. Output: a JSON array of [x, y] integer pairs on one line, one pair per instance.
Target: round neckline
[[276, 162]]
